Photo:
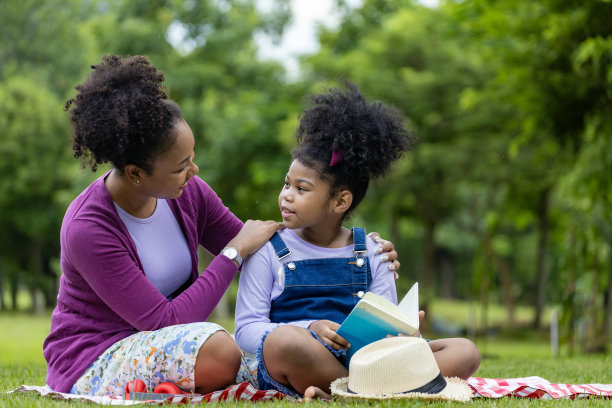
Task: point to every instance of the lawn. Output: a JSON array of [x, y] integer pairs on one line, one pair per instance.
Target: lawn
[[21, 362]]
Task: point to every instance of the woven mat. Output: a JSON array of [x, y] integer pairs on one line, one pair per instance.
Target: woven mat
[[535, 387]]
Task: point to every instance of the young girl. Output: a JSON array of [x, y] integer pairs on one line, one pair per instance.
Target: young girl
[[296, 290]]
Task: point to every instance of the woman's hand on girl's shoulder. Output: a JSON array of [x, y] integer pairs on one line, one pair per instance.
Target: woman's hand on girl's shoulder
[[253, 235], [386, 249]]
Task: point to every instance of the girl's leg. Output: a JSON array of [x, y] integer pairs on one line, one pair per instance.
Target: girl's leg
[[217, 363], [456, 357], [315, 393], [296, 359]]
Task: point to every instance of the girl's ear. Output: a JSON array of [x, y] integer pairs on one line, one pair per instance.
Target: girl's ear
[[343, 201], [133, 173]]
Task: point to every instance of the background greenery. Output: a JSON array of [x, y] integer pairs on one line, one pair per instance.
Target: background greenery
[[506, 200]]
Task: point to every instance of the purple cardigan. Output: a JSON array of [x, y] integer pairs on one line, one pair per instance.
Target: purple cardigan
[[104, 295]]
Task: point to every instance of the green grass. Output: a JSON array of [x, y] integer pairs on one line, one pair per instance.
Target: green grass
[[22, 337], [21, 362], [464, 312]]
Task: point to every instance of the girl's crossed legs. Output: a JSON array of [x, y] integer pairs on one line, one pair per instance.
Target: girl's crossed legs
[[294, 358]]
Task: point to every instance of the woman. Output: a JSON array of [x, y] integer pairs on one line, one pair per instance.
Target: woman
[[131, 302]]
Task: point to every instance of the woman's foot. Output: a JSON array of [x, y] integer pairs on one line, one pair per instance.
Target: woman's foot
[[315, 393]]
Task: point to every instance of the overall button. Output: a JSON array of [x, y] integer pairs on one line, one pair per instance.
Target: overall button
[[360, 294], [360, 262]]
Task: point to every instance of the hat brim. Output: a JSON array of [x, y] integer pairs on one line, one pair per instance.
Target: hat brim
[[456, 390]]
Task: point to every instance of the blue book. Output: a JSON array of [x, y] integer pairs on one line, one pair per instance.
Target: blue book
[[374, 317]]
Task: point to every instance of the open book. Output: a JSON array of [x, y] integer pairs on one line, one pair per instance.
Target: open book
[[374, 317]]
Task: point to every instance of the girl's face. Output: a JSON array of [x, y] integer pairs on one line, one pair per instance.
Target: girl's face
[[173, 168], [304, 200]]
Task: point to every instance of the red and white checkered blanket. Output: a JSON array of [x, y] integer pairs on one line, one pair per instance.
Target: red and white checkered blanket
[[527, 387], [243, 391], [535, 387]]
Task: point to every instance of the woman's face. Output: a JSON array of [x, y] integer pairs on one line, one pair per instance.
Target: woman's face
[[173, 168]]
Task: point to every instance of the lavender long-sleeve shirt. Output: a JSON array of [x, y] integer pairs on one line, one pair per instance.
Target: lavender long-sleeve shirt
[[262, 281], [104, 295]]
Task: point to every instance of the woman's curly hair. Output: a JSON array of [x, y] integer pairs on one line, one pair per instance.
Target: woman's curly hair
[[349, 140], [122, 114]]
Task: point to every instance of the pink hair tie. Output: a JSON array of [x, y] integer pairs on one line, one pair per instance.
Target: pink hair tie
[[336, 158]]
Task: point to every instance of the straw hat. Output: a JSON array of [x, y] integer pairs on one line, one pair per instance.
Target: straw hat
[[397, 368]]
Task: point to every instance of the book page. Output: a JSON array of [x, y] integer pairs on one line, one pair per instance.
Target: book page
[[410, 305]]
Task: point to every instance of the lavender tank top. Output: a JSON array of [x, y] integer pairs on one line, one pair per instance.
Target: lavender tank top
[[161, 246]]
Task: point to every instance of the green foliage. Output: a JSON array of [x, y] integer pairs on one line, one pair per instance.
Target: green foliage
[[505, 199], [508, 99], [234, 103], [34, 157]]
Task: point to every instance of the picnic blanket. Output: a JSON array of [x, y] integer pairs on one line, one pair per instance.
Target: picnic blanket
[[535, 387], [243, 391], [526, 387]]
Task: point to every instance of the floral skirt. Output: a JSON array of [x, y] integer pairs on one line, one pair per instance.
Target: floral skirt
[[168, 354]]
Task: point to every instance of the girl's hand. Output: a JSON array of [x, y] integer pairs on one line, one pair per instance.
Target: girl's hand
[[421, 317], [253, 235], [386, 249], [418, 332], [326, 330]]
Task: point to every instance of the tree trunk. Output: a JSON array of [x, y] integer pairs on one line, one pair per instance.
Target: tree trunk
[[505, 276], [430, 256], [570, 307], [14, 291], [51, 286], [485, 287], [542, 274], [507, 285], [447, 275], [2, 304], [592, 343], [37, 261], [607, 317]]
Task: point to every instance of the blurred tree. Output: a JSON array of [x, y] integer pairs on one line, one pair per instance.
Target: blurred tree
[[506, 98], [539, 50], [34, 155], [43, 37], [234, 102], [37, 67], [237, 105], [414, 58]]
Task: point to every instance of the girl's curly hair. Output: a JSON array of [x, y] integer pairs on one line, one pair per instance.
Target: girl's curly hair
[[349, 141], [122, 114]]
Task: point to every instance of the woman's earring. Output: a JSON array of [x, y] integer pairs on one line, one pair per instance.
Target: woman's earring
[[137, 181]]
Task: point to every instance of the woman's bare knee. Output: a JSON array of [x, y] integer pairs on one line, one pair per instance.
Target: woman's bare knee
[[217, 363]]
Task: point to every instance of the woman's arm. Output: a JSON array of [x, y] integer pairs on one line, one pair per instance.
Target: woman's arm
[[254, 299], [110, 276]]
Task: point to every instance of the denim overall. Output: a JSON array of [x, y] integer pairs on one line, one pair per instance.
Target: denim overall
[[318, 289]]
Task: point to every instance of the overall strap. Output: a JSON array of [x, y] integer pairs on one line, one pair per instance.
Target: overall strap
[[359, 240], [279, 246]]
